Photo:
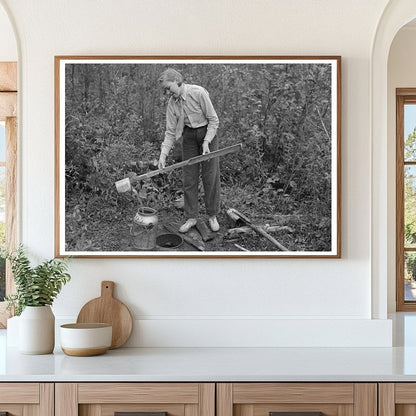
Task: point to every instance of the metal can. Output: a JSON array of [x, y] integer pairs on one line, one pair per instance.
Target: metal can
[[123, 185], [144, 228]]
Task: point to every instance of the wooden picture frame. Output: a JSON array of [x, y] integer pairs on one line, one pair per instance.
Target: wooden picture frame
[[280, 189]]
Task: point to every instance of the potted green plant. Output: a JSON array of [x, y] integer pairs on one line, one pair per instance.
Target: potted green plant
[[36, 289]]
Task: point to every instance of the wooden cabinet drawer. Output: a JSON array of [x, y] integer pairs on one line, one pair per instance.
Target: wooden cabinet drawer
[[266, 399], [397, 399], [21, 399], [105, 399]]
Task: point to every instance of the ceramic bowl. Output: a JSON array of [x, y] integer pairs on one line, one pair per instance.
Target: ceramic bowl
[[83, 340]]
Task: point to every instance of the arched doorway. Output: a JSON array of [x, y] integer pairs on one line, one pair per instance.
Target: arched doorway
[[8, 150], [396, 15]]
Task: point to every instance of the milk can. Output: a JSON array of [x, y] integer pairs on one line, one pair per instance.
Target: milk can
[[144, 228]]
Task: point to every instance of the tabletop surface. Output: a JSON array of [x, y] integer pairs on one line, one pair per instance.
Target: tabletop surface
[[390, 364], [214, 365]]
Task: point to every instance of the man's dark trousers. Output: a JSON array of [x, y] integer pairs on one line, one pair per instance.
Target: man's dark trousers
[[192, 146]]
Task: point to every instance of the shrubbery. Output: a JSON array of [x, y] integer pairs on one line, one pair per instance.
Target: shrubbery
[[115, 118]]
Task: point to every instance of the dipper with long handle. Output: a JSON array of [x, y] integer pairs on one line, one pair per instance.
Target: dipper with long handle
[[124, 185]]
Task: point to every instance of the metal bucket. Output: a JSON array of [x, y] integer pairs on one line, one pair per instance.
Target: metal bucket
[[144, 228]]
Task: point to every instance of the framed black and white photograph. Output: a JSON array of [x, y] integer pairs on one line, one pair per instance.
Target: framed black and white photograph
[[198, 156]]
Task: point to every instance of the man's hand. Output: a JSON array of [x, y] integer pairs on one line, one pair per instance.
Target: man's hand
[[162, 161], [205, 148]]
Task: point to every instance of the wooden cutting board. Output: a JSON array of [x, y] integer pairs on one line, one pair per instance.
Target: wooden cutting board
[[109, 310]]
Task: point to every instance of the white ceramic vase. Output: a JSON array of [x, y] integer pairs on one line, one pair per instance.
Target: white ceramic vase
[[37, 330]]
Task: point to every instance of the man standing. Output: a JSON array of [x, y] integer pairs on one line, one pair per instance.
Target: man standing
[[191, 115]]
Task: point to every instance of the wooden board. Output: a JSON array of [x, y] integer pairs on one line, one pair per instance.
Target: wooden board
[[109, 310], [192, 161]]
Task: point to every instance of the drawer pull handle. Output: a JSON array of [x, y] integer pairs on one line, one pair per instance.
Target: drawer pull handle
[[295, 413], [140, 414]]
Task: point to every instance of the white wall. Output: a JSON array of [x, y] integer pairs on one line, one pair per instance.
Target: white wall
[[401, 74], [203, 302], [8, 46]]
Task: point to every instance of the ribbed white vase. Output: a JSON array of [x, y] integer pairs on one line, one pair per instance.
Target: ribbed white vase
[[37, 330]]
